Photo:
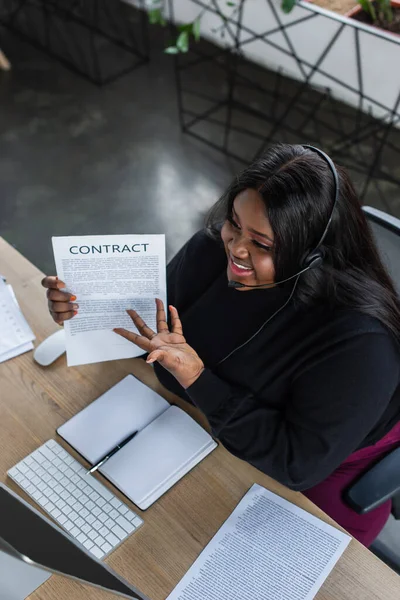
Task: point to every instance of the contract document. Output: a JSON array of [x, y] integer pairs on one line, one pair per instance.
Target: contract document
[[268, 549], [108, 275]]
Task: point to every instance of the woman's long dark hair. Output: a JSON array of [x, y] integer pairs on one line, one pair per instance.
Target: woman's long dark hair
[[297, 187]]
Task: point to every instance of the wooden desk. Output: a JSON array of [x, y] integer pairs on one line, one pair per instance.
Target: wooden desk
[[34, 401]]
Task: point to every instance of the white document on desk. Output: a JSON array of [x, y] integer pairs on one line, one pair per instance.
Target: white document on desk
[[268, 549], [15, 334], [109, 274]]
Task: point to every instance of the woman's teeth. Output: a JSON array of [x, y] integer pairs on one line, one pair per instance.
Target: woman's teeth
[[242, 267]]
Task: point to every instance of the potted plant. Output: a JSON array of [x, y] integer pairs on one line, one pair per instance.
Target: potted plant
[[384, 14]]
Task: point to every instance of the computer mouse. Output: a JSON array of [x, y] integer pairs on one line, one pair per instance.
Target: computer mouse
[[50, 349]]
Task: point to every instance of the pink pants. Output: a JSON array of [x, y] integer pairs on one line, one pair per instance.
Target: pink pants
[[328, 494]]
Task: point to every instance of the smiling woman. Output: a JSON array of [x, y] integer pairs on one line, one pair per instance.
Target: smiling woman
[[298, 374], [248, 239]]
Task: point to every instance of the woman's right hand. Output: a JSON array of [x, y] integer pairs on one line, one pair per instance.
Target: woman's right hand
[[61, 304]]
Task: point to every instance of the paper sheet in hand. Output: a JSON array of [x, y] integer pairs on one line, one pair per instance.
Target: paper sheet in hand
[[268, 549], [109, 274]]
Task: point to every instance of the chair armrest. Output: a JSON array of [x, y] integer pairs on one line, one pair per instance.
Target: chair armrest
[[377, 485], [396, 507]]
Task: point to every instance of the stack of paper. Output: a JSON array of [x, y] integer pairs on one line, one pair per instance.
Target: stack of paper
[[268, 549], [15, 334]]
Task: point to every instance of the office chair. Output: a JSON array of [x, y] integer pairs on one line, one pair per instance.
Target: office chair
[[382, 481]]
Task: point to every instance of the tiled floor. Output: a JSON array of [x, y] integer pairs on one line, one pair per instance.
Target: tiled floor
[[76, 158]]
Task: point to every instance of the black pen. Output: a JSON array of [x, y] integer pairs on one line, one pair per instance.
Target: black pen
[[113, 451]]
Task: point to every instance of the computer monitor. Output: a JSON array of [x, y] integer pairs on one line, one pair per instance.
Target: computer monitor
[[30, 537]]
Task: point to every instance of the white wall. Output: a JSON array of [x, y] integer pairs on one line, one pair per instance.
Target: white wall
[[380, 54]]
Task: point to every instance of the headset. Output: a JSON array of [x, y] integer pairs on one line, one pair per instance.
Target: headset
[[315, 258], [312, 260]]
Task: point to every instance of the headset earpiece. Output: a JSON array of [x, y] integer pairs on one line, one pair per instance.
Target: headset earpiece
[[316, 256], [313, 260]]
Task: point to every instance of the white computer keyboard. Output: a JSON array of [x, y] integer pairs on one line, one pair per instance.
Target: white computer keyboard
[[85, 508]]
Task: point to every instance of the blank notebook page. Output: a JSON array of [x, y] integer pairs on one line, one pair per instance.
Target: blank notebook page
[[162, 452], [127, 407]]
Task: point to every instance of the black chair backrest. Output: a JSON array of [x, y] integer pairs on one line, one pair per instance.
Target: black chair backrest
[[386, 230]]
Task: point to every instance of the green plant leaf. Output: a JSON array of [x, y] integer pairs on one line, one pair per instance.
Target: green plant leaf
[[196, 29], [156, 17], [185, 27], [182, 43], [171, 50], [288, 5], [369, 8], [386, 8], [230, 4], [364, 5]]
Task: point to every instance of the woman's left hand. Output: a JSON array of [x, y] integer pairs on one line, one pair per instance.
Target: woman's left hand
[[169, 348]]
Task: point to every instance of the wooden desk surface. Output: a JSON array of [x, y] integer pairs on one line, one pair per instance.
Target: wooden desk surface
[[34, 401]]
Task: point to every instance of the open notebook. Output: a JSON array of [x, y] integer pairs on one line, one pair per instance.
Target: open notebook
[[169, 443]]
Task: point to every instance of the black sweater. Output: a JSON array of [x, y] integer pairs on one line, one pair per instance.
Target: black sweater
[[312, 387]]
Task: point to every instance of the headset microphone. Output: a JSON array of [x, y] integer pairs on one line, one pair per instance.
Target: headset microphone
[[312, 265], [237, 284]]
